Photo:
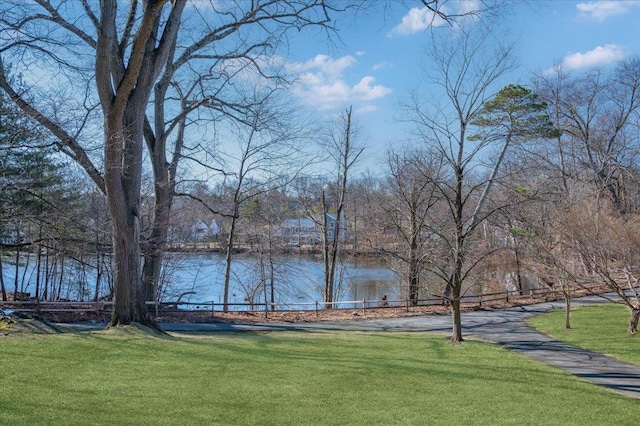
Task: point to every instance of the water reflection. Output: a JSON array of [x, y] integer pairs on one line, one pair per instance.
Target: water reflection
[[198, 280], [296, 280]]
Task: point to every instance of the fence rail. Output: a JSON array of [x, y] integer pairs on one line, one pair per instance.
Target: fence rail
[[158, 307]]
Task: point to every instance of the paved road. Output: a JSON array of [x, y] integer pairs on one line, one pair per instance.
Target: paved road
[[509, 329], [506, 327]]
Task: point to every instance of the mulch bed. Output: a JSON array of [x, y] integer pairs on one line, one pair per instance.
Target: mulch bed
[[167, 315]]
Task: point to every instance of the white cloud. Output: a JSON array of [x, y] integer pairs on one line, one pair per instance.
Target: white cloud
[[324, 96], [321, 84], [325, 63], [470, 7], [366, 91], [380, 65], [420, 19], [415, 21], [601, 10], [601, 55], [366, 109], [311, 79]]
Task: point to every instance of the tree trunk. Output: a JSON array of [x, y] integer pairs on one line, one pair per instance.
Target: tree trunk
[[2, 287], [567, 306], [61, 280], [123, 185], [272, 273], [47, 294], [99, 269], [15, 278], [518, 273], [129, 305], [263, 282], [329, 267], [456, 317], [456, 288], [414, 268], [152, 266], [633, 321], [155, 243], [24, 272], [228, 260], [456, 277], [164, 174], [413, 280], [38, 270]]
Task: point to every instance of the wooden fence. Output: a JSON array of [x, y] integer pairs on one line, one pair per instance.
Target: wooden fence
[[160, 307]]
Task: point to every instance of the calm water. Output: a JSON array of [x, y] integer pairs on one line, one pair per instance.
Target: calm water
[[198, 279], [296, 280]]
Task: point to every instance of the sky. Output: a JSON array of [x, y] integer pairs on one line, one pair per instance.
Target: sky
[[381, 54]]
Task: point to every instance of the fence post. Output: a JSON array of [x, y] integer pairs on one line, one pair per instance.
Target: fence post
[[406, 304], [364, 306], [316, 308], [156, 309]]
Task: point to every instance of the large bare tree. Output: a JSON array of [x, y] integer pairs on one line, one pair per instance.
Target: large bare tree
[[466, 67], [609, 246], [598, 113], [267, 155], [342, 147], [406, 200], [126, 63], [204, 82], [116, 61], [596, 156]]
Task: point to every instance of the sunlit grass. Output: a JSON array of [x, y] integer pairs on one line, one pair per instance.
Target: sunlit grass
[[289, 378], [602, 328]]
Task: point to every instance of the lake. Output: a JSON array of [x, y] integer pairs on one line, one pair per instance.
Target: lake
[[297, 280], [198, 280]]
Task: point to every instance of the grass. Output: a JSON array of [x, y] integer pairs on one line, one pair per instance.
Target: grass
[[601, 328], [288, 378]]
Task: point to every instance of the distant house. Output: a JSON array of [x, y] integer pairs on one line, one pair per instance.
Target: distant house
[[331, 225], [201, 231], [214, 229], [296, 232]]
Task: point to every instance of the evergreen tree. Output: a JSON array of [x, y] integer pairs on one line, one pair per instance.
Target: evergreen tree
[[31, 186]]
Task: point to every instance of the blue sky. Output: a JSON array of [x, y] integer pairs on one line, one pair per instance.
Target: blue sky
[[380, 56]]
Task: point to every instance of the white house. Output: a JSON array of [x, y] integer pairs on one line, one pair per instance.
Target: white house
[[214, 229], [200, 230]]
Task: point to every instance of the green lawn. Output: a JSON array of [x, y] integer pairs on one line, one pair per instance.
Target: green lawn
[[289, 378], [602, 328]]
